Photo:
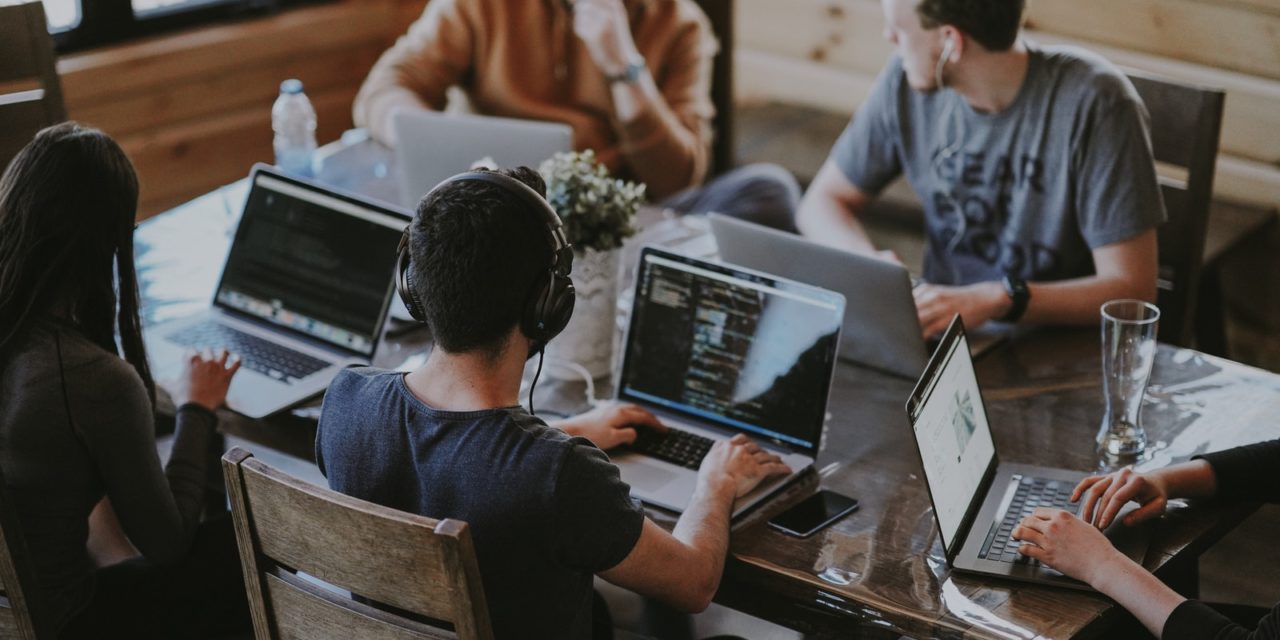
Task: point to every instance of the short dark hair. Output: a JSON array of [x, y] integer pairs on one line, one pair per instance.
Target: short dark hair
[[477, 252], [993, 23]]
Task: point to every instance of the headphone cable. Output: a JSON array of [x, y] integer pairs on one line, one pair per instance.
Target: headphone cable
[[534, 384]]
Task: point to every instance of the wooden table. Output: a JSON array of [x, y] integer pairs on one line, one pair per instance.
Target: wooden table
[[881, 571]]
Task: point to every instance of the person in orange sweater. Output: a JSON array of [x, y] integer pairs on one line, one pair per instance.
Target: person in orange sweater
[[632, 77]]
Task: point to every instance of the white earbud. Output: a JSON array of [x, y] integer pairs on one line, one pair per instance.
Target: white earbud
[[948, 48]]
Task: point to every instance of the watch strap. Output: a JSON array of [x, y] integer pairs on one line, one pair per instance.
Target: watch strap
[[630, 74], [1019, 293]]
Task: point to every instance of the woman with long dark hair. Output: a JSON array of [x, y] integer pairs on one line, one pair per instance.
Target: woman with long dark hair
[[77, 430]]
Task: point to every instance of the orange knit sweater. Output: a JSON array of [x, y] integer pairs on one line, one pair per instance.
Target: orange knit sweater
[[521, 59]]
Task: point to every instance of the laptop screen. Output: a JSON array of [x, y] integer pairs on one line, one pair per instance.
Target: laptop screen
[[736, 349], [951, 430], [313, 262]]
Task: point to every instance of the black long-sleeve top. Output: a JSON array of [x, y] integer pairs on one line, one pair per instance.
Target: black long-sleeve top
[[76, 424], [1244, 473]]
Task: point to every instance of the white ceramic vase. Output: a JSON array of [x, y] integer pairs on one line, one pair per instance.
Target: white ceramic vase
[[588, 340]]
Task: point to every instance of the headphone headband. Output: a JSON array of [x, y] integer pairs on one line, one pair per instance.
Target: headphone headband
[[550, 303], [559, 243]]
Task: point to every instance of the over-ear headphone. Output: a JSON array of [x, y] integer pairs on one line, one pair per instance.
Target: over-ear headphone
[[549, 304]]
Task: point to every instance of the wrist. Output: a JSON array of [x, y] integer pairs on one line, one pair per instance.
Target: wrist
[[630, 71], [998, 301], [717, 487], [1018, 296], [1107, 573]]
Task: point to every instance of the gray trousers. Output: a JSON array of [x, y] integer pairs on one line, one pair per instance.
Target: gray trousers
[[762, 193]]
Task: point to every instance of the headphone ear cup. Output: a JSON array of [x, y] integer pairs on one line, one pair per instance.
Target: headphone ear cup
[[549, 309], [404, 281], [560, 303]]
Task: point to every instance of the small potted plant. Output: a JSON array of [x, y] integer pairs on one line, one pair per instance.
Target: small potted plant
[[597, 211]]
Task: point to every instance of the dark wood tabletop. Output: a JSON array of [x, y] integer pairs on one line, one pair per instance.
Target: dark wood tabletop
[[881, 570]]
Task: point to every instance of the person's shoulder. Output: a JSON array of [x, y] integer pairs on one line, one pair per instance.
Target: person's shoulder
[[1098, 80], [355, 378]]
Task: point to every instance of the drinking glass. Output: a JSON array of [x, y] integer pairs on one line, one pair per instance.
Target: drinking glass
[[1128, 350]]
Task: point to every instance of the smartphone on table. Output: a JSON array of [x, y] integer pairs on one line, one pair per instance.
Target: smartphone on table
[[814, 513]]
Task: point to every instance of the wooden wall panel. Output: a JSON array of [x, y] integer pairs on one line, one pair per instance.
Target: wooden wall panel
[[1224, 34]]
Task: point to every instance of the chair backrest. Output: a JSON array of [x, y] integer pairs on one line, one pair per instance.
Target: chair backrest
[[1186, 122], [21, 613], [720, 13], [424, 569], [30, 93]]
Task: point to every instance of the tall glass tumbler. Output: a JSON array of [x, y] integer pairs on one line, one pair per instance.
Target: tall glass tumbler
[[1128, 351]]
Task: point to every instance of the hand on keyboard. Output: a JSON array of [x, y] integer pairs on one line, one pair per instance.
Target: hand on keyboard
[[739, 464], [1068, 544], [611, 424], [206, 378]]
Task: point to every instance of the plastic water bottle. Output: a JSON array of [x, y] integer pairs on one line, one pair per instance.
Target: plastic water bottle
[[294, 121]]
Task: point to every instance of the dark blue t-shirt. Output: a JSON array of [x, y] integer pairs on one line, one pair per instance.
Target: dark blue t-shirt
[[546, 511]]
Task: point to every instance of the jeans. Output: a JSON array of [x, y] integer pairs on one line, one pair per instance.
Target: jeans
[[761, 193]]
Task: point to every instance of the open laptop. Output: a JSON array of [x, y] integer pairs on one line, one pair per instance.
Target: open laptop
[[715, 351], [432, 146], [881, 327], [977, 499], [304, 292]]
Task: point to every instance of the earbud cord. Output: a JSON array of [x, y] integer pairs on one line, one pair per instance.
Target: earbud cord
[[949, 150]]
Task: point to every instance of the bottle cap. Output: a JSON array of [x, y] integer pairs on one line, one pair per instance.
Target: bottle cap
[[291, 86]]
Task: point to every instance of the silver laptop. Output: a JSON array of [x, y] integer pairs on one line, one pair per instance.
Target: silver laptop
[[881, 327], [304, 292], [715, 351], [432, 146], [977, 499]]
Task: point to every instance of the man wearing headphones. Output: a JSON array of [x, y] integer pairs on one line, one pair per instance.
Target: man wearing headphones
[[632, 77], [486, 266], [1033, 163]]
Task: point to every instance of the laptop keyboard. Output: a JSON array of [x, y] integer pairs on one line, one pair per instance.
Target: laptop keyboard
[[256, 354], [675, 446], [1031, 493]]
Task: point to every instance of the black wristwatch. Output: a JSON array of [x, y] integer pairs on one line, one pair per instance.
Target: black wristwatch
[[1017, 290]]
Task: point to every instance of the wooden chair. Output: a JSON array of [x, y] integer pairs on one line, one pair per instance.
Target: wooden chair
[[720, 13], [21, 613], [1185, 125], [30, 94], [425, 568]]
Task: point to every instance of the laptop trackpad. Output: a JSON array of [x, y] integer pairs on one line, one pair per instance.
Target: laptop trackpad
[[648, 478]]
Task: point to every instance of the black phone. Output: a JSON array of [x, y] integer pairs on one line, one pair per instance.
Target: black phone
[[813, 514]]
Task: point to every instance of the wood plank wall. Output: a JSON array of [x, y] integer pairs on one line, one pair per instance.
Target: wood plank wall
[[193, 109], [826, 53]]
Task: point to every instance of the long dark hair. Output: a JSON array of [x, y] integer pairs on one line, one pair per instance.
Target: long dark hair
[[67, 206]]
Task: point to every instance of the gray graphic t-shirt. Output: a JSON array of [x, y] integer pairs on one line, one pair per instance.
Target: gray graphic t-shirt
[[1028, 191]]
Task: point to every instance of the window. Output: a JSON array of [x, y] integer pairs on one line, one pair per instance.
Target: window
[[62, 15], [144, 9], [80, 24]]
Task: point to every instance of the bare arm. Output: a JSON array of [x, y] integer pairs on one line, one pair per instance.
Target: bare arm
[[665, 130], [1126, 269], [828, 213], [416, 72], [1071, 546], [683, 568]]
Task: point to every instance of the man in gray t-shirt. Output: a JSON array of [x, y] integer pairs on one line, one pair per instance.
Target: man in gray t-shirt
[[1033, 163]]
